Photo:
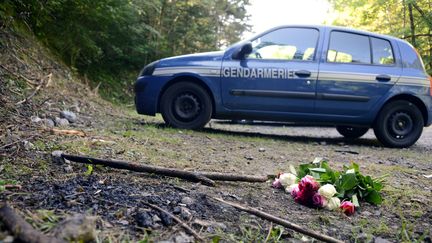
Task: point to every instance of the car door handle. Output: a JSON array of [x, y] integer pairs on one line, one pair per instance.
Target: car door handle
[[383, 78], [302, 73]]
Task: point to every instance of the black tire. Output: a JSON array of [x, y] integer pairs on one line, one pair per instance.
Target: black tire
[[186, 105], [399, 124], [352, 132]]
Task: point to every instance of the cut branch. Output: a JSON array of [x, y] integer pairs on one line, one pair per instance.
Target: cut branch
[[138, 167], [279, 221], [183, 224], [22, 230]]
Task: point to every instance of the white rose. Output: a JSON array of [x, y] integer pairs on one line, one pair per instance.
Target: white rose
[[287, 179], [327, 191], [333, 203], [290, 188]]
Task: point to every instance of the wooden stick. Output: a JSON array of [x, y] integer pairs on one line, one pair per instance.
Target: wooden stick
[[42, 84], [216, 176], [139, 167], [183, 224], [67, 132], [279, 221], [22, 230], [233, 177]]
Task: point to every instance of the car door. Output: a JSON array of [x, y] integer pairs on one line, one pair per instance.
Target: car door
[[278, 76], [355, 73]]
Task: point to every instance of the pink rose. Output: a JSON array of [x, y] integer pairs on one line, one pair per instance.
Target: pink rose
[[308, 183], [277, 184], [319, 201], [347, 207], [294, 191]]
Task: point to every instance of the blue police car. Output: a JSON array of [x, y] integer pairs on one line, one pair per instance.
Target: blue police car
[[352, 79]]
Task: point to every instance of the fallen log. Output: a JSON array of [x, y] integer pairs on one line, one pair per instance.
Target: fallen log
[[179, 221], [138, 167], [279, 221], [22, 230]]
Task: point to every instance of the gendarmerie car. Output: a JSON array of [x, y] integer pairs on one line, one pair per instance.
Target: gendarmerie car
[[352, 79]]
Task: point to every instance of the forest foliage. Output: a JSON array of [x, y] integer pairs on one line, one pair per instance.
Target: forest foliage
[[108, 41], [410, 20]]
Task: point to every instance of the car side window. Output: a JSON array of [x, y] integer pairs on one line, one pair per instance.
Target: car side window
[[382, 52], [348, 48], [286, 44]]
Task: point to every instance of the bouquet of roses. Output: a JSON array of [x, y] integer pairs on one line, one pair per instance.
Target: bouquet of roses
[[317, 185]]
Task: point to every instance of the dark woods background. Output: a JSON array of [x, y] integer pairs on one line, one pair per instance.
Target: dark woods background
[[109, 41]]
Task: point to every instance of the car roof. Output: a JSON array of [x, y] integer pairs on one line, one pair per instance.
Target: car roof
[[331, 27]]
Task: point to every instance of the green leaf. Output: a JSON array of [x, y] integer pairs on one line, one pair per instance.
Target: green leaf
[[373, 197], [355, 200], [319, 170], [355, 166], [89, 170], [348, 181]]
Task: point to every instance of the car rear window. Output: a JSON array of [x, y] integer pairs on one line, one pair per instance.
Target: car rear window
[[382, 51], [349, 48], [355, 48]]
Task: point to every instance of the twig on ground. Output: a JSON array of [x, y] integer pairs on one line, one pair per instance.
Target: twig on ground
[[18, 141], [68, 132], [138, 167], [183, 224], [279, 221], [42, 84], [19, 75], [22, 230], [12, 187]]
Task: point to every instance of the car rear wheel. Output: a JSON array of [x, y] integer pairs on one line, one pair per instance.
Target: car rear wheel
[[399, 124], [352, 132], [186, 105]]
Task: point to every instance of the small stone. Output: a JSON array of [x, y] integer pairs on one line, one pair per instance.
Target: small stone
[[185, 213], [365, 237], [48, 122], [79, 228], [144, 219], [68, 115], [8, 239], [187, 200], [156, 219], [35, 119], [323, 143], [381, 240], [177, 210], [248, 157], [183, 238], [123, 222], [68, 169], [56, 157], [61, 122], [28, 145], [261, 150]]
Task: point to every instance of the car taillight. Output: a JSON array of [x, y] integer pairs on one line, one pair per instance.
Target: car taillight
[[430, 87]]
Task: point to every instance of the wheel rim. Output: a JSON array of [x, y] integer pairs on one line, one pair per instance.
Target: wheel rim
[[186, 107], [400, 125]]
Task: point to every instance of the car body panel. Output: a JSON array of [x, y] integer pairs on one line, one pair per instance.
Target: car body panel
[[335, 93]]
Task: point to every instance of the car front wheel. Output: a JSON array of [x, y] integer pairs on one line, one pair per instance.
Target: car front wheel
[[399, 124], [352, 132], [186, 105]]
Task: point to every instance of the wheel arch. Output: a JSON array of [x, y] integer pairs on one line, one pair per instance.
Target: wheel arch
[[411, 98], [187, 78]]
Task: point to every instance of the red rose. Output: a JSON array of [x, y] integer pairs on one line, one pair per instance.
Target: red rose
[[308, 183], [347, 207], [304, 197], [319, 201]]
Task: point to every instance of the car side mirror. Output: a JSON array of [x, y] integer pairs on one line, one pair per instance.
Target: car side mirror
[[242, 51]]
